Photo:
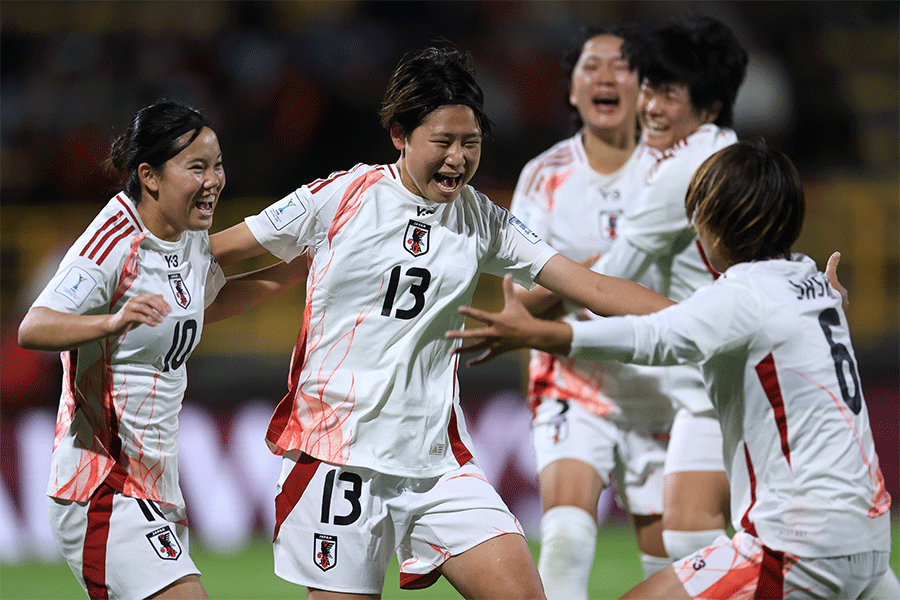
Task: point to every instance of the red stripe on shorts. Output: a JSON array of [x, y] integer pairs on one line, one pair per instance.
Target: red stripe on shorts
[[771, 576], [419, 581], [94, 555], [293, 488]]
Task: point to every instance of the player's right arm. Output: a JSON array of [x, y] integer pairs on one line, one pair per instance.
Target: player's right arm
[[55, 331]]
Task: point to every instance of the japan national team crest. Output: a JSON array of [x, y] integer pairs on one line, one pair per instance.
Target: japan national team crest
[[182, 295], [416, 240], [325, 551], [165, 543]]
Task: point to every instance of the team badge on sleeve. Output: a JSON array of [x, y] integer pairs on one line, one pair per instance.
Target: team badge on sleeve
[[76, 285], [287, 210], [325, 551], [165, 543], [523, 229], [417, 239], [182, 295]]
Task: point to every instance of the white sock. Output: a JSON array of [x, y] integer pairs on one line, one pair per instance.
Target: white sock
[[680, 544], [568, 543], [652, 564], [888, 588]]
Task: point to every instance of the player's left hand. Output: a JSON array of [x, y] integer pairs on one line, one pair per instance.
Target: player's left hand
[[831, 272]]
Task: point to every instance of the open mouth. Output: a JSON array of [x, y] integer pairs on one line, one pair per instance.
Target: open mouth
[[205, 207], [448, 183], [606, 102]]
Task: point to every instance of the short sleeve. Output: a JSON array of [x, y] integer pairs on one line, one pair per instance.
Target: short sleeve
[[80, 286], [287, 227], [519, 250]]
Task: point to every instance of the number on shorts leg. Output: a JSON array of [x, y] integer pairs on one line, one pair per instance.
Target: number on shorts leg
[[352, 495]]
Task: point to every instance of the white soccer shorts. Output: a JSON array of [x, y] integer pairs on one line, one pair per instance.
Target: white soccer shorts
[[633, 455], [695, 443], [120, 547], [337, 527]]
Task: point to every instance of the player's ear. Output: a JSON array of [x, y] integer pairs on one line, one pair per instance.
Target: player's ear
[[398, 136], [149, 178]]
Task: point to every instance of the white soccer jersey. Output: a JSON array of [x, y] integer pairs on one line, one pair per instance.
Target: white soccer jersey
[[577, 210], [772, 341], [656, 236], [373, 383], [117, 419]]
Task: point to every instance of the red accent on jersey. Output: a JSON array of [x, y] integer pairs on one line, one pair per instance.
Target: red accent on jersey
[[129, 208], [350, 202], [746, 523], [129, 272], [709, 267], [559, 158], [318, 184], [113, 243], [102, 228], [93, 567], [768, 377], [771, 576], [293, 488], [460, 452]]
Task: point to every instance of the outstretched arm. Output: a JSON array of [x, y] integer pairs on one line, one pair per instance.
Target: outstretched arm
[[509, 329], [601, 294], [54, 331], [234, 245], [248, 290]]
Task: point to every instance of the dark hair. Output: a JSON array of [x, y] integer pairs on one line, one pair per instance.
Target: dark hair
[[427, 80], [749, 198], [151, 138], [703, 54], [632, 39]]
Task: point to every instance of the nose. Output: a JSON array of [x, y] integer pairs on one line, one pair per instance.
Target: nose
[[214, 179], [455, 155]]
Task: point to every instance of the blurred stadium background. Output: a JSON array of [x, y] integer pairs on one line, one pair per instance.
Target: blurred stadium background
[[293, 90]]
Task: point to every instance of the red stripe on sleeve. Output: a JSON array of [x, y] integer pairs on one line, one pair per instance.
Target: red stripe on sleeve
[[102, 228], [106, 236], [113, 244], [768, 377]]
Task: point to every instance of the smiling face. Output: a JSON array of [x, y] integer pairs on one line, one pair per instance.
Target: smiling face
[[603, 89], [667, 114], [182, 195], [441, 155]]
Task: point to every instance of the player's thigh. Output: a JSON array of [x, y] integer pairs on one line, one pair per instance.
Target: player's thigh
[[575, 452], [186, 588], [121, 546], [696, 487], [500, 568], [458, 513], [662, 585]]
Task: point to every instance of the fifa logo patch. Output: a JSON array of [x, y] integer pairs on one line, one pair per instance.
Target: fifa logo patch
[[182, 296], [165, 543], [286, 211], [416, 240], [325, 551], [76, 285]]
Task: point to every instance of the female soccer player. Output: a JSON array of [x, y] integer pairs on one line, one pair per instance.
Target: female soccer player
[[808, 499], [690, 73], [377, 458], [126, 309], [593, 419]]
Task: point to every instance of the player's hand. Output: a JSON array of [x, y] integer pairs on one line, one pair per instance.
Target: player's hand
[[509, 329], [831, 272], [142, 309]]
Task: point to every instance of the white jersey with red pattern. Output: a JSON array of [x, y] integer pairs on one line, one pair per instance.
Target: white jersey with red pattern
[[117, 419], [772, 341], [372, 382], [577, 211], [655, 236]]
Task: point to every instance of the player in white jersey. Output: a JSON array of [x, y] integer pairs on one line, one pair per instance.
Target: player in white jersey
[[126, 309], [377, 457], [593, 419], [808, 498]]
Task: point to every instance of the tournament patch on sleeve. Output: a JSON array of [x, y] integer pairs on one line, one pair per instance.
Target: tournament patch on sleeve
[[522, 228], [289, 209], [76, 285]]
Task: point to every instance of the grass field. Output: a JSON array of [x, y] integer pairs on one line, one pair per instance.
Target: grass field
[[248, 575]]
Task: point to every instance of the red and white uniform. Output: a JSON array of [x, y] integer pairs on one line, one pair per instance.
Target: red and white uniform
[[117, 420], [655, 236], [372, 382], [775, 353], [579, 211]]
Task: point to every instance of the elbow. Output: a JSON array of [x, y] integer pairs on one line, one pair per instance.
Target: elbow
[[27, 335]]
